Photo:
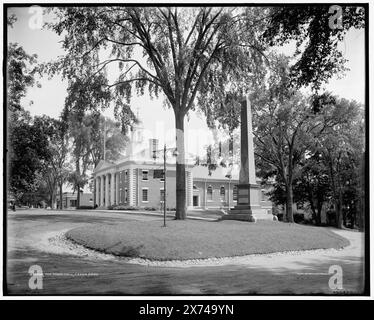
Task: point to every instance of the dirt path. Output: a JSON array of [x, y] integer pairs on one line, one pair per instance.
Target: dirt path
[[68, 271]]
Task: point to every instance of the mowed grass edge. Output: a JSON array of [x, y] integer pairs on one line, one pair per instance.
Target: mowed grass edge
[[188, 239]]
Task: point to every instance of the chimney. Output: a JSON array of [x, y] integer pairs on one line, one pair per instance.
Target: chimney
[[153, 147]]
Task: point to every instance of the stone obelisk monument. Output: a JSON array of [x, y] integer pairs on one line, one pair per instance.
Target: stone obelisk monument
[[248, 206]]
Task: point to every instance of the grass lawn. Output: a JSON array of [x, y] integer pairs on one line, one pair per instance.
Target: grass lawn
[[188, 239]]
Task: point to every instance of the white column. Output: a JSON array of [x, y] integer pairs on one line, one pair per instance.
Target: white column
[[107, 189], [112, 187], [114, 176], [97, 186], [190, 189], [117, 188], [130, 191], [101, 191]]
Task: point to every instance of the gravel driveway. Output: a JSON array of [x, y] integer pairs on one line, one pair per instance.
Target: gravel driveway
[[69, 273]]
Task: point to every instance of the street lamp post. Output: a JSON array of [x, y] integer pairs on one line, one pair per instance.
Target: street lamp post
[[175, 153]]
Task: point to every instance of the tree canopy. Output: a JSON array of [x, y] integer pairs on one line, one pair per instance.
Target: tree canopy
[[188, 54], [316, 31]]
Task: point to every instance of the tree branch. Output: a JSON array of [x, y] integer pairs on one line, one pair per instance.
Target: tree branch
[[130, 80]]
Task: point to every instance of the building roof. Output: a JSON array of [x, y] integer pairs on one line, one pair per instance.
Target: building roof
[[103, 164], [202, 172]]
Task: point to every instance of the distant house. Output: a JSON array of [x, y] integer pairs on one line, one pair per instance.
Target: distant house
[[69, 200]]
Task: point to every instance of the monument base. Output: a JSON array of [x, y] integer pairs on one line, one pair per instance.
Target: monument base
[[250, 215], [240, 213], [243, 210], [248, 208]]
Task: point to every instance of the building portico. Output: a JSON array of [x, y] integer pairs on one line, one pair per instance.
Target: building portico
[[132, 183]]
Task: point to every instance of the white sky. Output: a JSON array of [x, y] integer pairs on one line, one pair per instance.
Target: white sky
[[159, 122]]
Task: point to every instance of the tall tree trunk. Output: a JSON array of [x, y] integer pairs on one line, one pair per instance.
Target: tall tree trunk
[[52, 197], [79, 197], [312, 206], [361, 207], [77, 168], [354, 215], [51, 200], [289, 202], [61, 204], [54, 201], [339, 211], [319, 212], [180, 213]]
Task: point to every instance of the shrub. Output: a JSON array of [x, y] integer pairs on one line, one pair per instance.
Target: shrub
[[298, 217], [124, 207], [331, 217], [280, 216], [150, 209], [84, 207]]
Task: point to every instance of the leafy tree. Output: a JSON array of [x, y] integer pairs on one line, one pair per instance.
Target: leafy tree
[[29, 149], [115, 140], [352, 193], [81, 153], [55, 166], [316, 34], [313, 186], [315, 61], [39, 195], [282, 139], [329, 164], [21, 71], [194, 56], [25, 146], [187, 54], [283, 126], [341, 146], [87, 139]]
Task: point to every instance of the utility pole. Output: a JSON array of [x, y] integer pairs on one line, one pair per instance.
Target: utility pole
[[175, 154], [229, 193], [104, 137]]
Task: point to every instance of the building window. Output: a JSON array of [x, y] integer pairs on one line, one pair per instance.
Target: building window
[[159, 174], [145, 175], [222, 193], [126, 195], [235, 193], [73, 203], [162, 195], [144, 195], [209, 193]]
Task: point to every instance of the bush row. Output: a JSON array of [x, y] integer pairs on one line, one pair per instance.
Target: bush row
[[85, 207], [135, 208]]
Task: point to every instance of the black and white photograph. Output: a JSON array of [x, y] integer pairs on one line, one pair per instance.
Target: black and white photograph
[[186, 150]]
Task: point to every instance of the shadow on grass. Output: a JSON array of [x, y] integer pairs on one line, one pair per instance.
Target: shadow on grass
[[71, 218], [124, 251]]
